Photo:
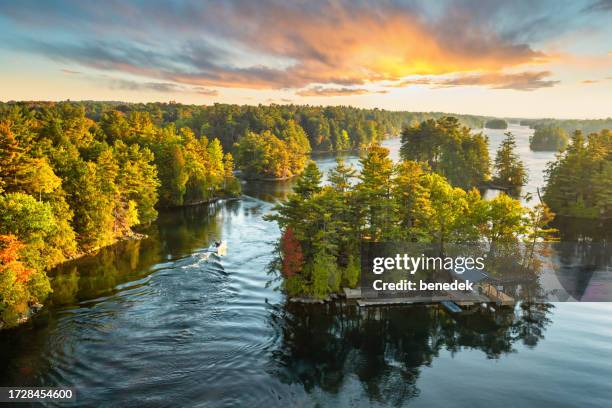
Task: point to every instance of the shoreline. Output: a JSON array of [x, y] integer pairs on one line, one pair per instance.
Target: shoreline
[[35, 308]]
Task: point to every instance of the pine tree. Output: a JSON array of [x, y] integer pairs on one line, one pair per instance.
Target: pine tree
[[309, 182], [374, 194], [510, 171]]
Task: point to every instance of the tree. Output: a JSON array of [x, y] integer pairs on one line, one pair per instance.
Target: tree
[[449, 149], [33, 223], [374, 194], [442, 210], [340, 177], [503, 219], [291, 249], [20, 284], [510, 171], [577, 181], [12, 156], [170, 162], [38, 178], [309, 182], [409, 193], [137, 179]]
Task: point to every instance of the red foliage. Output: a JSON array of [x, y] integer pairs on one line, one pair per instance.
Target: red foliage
[[293, 257], [9, 257]]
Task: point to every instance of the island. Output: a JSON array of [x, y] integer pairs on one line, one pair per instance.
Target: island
[[496, 124], [548, 138]]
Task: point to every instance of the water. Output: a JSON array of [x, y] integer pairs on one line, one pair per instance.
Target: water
[[153, 323]]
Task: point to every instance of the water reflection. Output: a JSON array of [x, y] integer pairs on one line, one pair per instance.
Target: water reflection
[[385, 348], [176, 234]]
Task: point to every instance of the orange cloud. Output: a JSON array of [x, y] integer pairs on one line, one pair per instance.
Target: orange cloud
[[358, 45], [277, 45]]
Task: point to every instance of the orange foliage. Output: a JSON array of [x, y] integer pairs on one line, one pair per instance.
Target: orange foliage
[[291, 249], [9, 258]]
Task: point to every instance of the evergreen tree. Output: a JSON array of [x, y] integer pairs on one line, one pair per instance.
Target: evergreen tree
[[510, 171], [374, 195]]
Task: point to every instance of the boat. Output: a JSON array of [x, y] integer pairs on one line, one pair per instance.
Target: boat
[[218, 248], [451, 306]]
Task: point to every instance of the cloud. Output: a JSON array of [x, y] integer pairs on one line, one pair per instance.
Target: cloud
[[129, 85], [600, 5], [272, 44], [589, 81], [70, 72], [524, 81], [206, 91], [162, 87], [322, 91]]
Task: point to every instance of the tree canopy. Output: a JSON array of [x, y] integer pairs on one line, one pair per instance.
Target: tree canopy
[[548, 138], [579, 182], [449, 149], [70, 184]]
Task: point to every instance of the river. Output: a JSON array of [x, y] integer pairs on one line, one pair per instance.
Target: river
[[154, 323]]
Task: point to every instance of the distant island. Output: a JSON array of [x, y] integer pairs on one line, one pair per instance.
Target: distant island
[[496, 124], [549, 138]]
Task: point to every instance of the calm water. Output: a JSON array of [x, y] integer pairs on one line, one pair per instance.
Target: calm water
[[153, 323]]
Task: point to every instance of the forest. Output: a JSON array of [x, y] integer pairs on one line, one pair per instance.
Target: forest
[[70, 185], [75, 177]]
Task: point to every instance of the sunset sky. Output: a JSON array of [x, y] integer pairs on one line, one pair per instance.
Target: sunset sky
[[504, 58]]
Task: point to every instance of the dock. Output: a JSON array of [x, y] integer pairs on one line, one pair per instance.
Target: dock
[[496, 295], [487, 294]]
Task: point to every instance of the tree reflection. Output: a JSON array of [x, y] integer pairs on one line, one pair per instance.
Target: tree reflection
[[177, 233], [323, 346]]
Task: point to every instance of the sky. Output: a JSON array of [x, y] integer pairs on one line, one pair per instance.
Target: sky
[[520, 58]]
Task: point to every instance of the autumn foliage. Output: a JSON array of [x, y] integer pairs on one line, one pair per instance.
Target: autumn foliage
[[293, 257], [9, 258], [20, 284]]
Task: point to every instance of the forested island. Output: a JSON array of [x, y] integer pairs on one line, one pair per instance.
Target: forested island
[[496, 124], [586, 126], [421, 200], [580, 180], [548, 138], [324, 225]]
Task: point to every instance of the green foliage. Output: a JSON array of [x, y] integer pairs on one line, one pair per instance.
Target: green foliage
[[378, 213], [578, 182], [265, 155], [449, 149], [586, 126], [406, 201], [70, 183], [548, 138], [510, 171], [325, 277], [34, 223], [352, 272], [496, 124]]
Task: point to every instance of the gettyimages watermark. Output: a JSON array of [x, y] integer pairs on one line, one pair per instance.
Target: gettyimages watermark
[[533, 272]]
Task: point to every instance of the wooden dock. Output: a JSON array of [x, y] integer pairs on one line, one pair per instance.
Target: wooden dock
[[488, 294], [496, 295]]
